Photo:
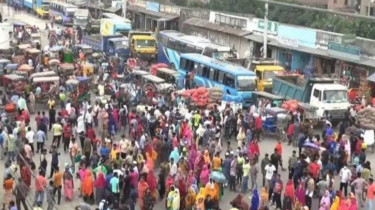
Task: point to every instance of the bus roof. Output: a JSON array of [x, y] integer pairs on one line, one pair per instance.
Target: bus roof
[[63, 4], [114, 16], [193, 40], [217, 64]]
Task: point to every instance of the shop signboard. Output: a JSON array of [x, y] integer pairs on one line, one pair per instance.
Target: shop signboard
[[306, 37], [348, 39], [153, 6], [258, 25], [288, 42], [349, 52]]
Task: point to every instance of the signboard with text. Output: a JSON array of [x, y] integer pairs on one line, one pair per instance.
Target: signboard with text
[[344, 51], [153, 6], [258, 25], [289, 42]]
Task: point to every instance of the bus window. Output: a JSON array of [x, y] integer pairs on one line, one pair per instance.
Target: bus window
[[171, 44], [229, 80], [200, 70], [212, 74], [183, 63], [220, 78], [206, 71]]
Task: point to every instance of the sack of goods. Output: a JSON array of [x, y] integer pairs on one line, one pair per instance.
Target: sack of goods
[[290, 105], [366, 118], [215, 94]]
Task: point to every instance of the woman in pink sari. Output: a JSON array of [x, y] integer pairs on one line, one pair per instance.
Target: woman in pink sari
[[205, 176], [192, 156], [190, 179], [187, 133], [300, 194], [68, 185], [82, 174], [198, 164]]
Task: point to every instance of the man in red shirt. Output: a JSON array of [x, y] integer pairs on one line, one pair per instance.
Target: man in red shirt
[[314, 169], [258, 127], [67, 133], [290, 132], [40, 184], [91, 134]]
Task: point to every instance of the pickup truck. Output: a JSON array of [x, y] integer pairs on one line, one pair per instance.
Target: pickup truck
[[330, 98], [111, 45]]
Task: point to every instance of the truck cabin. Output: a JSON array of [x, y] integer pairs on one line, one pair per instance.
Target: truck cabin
[[81, 18], [118, 45]]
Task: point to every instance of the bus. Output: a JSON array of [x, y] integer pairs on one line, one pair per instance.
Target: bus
[[62, 12], [114, 16], [28, 5], [172, 43], [41, 8], [237, 82]]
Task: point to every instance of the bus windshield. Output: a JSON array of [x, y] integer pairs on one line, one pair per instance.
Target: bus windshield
[[70, 11], [246, 83], [145, 43]]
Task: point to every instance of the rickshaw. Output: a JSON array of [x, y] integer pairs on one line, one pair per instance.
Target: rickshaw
[[87, 50], [66, 69], [11, 67], [154, 83], [272, 119], [42, 74], [68, 56], [4, 63], [87, 69], [35, 39], [52, 37], [14, 84], [49, 88], [24, 70], [54, 64], [275, 100], [170, 76], [22, 48], [34, 53], [54, 52]]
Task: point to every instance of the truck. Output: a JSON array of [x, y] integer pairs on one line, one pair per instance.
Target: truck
[[111, 27], [111, 45], [329, 98], [5, 37], [41, 8], [28, 5], [81, 19], [143, 45], [266, 70]]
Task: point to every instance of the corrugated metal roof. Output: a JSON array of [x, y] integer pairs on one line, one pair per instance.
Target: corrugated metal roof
[[215, 27], [161, 16]]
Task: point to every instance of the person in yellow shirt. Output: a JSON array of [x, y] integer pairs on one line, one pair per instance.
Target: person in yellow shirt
[[50, 103], [57, 133], [216, 162]]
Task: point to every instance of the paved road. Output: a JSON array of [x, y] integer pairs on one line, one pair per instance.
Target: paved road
[[266, 146]]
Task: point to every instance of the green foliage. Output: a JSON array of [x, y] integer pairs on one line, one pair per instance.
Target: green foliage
[[312, 19]]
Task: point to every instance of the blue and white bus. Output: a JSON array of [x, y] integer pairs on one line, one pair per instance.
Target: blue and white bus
[[62, 12], [235, 81], [28, 5], [173, 43]]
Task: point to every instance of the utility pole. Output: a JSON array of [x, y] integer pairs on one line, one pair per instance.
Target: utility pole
[[369, 7], [265, 30], [124, 7]]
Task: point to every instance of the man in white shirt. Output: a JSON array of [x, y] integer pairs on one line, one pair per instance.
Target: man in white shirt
[[345, 176], [30, 135], [173, 167], [270, 169]]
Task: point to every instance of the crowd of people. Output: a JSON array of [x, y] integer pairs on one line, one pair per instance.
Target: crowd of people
[[183, 156]]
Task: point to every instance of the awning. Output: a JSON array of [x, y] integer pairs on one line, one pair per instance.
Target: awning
[[112, 9], [254, 37], [215, 27], [371, 78], [158, 15]]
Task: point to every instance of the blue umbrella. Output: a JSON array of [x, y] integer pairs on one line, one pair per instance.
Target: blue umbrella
[[218, 177], [312, 145]]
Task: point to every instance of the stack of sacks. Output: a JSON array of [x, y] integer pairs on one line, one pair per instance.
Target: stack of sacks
[[290, 105], [366, 118]]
